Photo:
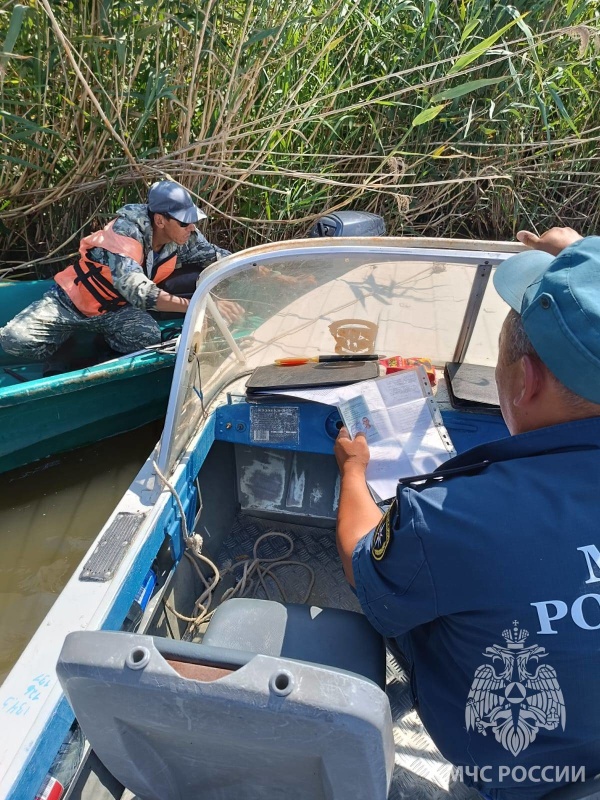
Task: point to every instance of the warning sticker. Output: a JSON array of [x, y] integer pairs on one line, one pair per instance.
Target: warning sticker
[[274, 425]]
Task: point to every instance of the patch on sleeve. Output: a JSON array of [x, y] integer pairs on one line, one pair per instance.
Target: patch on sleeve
[[383, 533]]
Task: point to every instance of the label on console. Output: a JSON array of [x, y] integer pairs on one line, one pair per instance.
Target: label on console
[[274, 425]]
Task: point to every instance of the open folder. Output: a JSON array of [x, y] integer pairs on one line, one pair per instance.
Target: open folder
[[401, 421]]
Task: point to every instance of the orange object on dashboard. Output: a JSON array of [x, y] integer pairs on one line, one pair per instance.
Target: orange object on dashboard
[[398, 363], [294, 361]]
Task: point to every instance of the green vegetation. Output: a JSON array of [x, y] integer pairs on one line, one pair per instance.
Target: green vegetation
[[465, 118]]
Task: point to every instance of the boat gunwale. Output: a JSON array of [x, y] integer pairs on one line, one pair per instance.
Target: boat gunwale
[[22, 775], [76, 380]]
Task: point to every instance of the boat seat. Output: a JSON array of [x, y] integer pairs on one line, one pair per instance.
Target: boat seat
[[321, 635], [174, 720]]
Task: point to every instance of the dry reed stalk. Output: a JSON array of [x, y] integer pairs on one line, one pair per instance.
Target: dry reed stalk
[[302, 121]]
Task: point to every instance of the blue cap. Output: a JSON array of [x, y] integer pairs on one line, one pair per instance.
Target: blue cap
[[559, 302], [168, 197]]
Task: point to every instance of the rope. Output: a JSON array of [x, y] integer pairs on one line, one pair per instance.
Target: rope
[[254, 566], [255, 570]]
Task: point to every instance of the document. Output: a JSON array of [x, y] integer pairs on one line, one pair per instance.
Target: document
[[400, 419]]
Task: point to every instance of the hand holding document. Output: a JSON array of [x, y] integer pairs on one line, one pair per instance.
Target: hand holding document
[[400, 419], [402, 424]]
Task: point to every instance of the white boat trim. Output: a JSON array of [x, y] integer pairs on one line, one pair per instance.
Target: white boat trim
[[28, 739]]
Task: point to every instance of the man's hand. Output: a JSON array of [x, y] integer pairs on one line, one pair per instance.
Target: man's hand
[[350, 453], [552, 241], [297, 280], [357, 511], [305, 278], [230, 310]]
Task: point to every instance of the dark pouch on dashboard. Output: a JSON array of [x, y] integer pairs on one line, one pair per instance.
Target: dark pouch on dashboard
[[472, 386], [271, 377]]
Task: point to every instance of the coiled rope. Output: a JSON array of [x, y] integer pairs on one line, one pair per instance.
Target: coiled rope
[[255, 570]]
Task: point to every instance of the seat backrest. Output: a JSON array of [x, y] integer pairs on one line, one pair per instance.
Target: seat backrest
[[227, 724]]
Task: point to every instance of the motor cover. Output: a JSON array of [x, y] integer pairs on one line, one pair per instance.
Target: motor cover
[[349, 223]]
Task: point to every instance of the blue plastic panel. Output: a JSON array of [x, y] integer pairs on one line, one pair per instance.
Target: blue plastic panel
[[312, 427], [305, 427]]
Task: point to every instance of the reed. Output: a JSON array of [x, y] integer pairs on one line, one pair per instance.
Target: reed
[[449, 118]]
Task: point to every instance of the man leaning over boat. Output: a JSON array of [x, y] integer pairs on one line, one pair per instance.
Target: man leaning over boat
[[117, 279], [487, 580]]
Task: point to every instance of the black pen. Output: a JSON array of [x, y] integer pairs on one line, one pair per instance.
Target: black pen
[[294, 361]]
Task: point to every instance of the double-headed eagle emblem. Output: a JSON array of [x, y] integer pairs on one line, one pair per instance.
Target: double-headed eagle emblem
[[515, 695]]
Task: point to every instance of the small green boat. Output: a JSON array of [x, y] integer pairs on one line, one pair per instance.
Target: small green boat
[[41, 416]]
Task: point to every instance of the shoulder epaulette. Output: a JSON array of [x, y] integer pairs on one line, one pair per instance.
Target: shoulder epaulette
[[442, 474], [466, 469]]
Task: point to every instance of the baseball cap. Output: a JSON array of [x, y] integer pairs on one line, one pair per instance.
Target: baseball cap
[[558, 299], [168, 197]]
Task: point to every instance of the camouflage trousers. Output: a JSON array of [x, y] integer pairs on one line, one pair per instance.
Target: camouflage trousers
[[39, 330]]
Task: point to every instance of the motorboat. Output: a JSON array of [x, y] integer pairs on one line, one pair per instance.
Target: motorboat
[[208, 642]]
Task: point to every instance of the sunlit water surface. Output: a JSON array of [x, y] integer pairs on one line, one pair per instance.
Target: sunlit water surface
[[50, 513]]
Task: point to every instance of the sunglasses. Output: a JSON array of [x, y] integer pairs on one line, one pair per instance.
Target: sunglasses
[[179, 222]]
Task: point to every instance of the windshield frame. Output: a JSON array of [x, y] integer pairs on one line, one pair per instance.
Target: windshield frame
[[482, 255]]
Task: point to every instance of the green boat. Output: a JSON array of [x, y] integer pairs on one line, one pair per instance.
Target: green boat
[[43, 415]]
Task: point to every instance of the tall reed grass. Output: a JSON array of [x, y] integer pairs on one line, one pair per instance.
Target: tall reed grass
[[467, 118]]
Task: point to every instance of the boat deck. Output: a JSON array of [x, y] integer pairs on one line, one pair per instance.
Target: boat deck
[[421, 772]]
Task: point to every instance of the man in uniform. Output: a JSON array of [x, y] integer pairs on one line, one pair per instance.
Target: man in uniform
[[116, 279], [488, 578]]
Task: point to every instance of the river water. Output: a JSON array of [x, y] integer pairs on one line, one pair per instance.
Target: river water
[[50, 512]]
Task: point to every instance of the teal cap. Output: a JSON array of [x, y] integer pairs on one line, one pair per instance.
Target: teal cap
[[559, 302]]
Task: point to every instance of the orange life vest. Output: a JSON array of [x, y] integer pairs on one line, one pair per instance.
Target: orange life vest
[[89, 284]]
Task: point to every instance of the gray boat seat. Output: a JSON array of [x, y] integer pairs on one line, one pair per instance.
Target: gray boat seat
[[326, 636], [177, 720]]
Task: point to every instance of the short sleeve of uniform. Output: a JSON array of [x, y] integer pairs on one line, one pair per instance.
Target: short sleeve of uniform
[[393, 581]]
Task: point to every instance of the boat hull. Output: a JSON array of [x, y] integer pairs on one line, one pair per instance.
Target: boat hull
[[42, 416], [188, 477], [88, 406]]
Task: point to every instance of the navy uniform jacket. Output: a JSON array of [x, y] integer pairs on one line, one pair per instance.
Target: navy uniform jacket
[[490, 580]]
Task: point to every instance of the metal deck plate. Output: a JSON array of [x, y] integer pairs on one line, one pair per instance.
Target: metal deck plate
[[111, 549], [313, 546]]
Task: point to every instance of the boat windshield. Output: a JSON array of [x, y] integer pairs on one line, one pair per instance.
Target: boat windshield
[[405, 297]]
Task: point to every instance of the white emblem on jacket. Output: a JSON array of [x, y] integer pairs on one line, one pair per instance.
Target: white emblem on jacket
[[515, 695]]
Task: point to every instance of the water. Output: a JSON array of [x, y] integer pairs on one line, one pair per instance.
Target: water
[[50, 512]]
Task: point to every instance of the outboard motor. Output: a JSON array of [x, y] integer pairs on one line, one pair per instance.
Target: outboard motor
[[349, 223]]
